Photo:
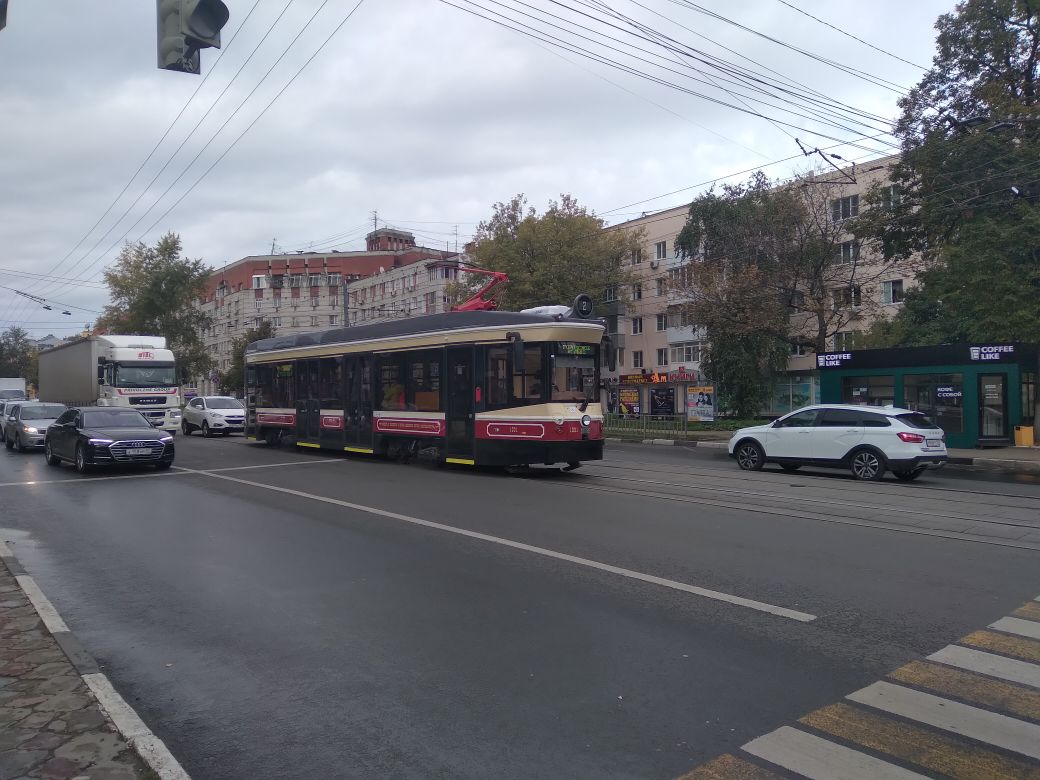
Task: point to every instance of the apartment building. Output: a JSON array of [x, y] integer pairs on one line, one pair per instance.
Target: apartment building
[[406, 291], [295, 292], [659, 349]]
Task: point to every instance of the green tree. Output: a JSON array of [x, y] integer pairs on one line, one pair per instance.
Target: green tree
[[153, 291], [552, 257], [18, 355], [234, 379]]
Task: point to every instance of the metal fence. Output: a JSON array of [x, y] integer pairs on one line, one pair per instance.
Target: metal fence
[[674, 424]]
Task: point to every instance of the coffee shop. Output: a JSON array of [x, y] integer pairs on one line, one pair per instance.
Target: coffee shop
[[978, 393]]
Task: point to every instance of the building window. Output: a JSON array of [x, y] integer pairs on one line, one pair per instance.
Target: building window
[[890, 197], [314, 279], [335, 279], [846, 252], [680, 278], [637, 359], [662, 322], [258, 304], [294, 323], [333, 319], [637, 327], [679, 318], [314, 322], [662, 286], [259, 281], [257, 321], [296, 280], [686, 352], [334, 302], [847, 297], [844, 340], [661, 250], [431, 274], [892, 291], [610, 294], [800, 348], [637, 256], [276, 321], [637, 292], [844, 208], [662, 356]]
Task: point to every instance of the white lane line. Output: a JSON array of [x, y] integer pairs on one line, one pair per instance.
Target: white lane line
[[739, 601], [817, 758], [81, 480], [973, 660], [1014, 625], [990, 727], [48, 614], [136, 732]]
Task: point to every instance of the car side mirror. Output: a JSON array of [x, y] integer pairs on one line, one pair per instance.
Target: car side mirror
[[776, 424]]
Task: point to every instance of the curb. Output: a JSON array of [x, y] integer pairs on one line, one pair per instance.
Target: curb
[[707, 444], [145, 743]]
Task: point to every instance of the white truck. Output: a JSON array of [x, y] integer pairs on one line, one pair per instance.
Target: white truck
[[134, 371], [12, 389]]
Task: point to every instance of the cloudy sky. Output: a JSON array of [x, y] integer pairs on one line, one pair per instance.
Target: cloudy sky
[[415, 109]]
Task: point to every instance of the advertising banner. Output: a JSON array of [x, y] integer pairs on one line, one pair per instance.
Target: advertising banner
[[662, 400], [628, 400], [700, 403]]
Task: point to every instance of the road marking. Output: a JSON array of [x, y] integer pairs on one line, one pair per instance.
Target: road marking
[[1014, 625], [1030, 610], [1017, 647], [152, 749], [987, 663], [729, 767], [990, 727], [817, 758], [935, 751], [760, 606], [81, 480], [972, 688]]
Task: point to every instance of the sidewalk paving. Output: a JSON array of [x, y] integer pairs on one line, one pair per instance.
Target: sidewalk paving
[[51, 726]]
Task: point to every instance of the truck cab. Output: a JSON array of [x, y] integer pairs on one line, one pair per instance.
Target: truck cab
[[139, 372]]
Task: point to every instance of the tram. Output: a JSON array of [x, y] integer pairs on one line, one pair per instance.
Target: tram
[[491, 388]]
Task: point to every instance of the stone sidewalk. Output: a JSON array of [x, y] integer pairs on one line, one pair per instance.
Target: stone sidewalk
[[50, 724]]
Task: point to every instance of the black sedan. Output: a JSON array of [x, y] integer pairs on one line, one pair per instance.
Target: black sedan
[[99, 436]]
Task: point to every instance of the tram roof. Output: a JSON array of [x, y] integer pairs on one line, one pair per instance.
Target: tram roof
[[414, 326]]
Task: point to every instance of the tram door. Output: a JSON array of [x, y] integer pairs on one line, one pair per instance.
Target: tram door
[[358, 418], [459, 414], [308, 403]]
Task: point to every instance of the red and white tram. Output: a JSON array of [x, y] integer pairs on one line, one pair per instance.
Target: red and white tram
[[473, 387]]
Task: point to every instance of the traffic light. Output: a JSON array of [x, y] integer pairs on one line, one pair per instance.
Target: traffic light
[[184, 27]]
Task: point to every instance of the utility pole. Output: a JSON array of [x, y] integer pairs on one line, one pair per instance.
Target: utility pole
[[272, 244], [456, 239], [375, 220]]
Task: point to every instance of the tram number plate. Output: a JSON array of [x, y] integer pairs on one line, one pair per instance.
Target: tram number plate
[[139, 451], [934, 442]]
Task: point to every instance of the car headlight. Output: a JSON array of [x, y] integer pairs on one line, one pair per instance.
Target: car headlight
[[586, 421], [175, 414], [165, 439], [101, 442], [29, 429]]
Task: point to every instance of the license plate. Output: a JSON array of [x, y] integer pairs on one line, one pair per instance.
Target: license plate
[[933, 442], [139, 451]]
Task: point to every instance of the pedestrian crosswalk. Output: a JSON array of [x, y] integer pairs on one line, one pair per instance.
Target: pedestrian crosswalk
[[970, 710]]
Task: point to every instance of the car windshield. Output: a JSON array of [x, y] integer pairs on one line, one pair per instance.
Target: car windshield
[[145, 375], [224, 403], [917, 420], [43, 412], [574, 372], [111, 418]]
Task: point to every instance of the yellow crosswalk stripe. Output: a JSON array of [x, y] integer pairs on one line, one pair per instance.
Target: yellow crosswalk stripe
[[1030, 611], [729, 767], [973, 688], [937, 752], [1014, 646]]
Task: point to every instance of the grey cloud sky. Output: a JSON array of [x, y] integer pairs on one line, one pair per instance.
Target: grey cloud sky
[[416, 109]]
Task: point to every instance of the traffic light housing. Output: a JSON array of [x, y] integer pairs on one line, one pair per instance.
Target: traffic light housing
[[184, 27]]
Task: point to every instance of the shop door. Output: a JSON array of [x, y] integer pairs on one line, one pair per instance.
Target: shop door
[[308, 405], [459, 414], [993, 406], [358, 371]]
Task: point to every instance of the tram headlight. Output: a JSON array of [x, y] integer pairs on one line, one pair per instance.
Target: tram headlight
[[586, 421]]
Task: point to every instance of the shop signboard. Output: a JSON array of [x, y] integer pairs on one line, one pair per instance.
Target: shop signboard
[[628, 400], [662, 400], [700, 403], [643, 379]]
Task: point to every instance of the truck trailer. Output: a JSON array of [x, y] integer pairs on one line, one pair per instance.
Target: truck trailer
[[12, 389], [134, 371]]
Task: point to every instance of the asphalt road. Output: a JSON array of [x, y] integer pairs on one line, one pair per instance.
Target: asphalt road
[[277, 613]]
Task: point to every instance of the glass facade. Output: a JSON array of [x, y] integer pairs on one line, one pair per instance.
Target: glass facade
[[938, 396], [868, 390]]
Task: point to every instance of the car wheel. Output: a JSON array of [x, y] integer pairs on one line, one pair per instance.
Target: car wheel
[[908, 476], [185, 427], [790, 466], [19, 443], [750, 456], [867, 465], [81, 460], [205, 430], [162, 465], [48, 453]]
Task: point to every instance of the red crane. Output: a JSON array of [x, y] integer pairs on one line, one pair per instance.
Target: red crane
[[477, 302]]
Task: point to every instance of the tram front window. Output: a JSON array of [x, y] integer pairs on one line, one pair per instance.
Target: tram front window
[[574, 372]]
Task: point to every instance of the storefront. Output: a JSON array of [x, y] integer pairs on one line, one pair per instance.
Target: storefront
[[977, 393]]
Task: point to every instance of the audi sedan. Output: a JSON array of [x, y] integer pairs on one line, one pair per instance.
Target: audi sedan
[[96, 436]]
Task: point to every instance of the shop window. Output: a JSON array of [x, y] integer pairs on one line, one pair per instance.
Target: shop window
[[424, 381], [390, 395], [868, 390], [938, 396]]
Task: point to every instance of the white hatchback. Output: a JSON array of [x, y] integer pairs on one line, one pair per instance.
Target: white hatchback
[[213, 414], [868, 440]]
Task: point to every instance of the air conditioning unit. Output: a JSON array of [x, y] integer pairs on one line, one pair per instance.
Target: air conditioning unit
[[393, 292], [655, 264]]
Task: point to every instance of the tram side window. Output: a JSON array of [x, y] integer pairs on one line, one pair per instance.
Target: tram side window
[[391, 383], [282, 390], [263, 394], [497, 377], [529, 379], [424, 381], [330, 383]]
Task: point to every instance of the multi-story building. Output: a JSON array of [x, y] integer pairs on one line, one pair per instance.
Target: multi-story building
[[295, 292], [659, 349], [405, 291]]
